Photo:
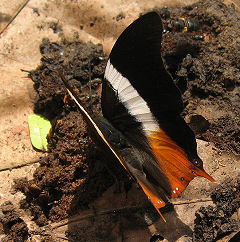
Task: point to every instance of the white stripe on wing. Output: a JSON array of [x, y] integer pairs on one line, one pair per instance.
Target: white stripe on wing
[[131, 99]]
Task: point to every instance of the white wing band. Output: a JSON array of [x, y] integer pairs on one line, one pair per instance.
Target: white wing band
[[131, 99]]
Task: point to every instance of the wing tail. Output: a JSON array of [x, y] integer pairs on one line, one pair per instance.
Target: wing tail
[[156, 201]]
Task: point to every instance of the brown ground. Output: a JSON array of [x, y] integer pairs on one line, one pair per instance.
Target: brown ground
[[207, 71], [214, 222], [72, 175], [15, 228]]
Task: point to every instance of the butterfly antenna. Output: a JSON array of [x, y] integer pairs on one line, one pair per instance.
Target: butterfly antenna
[[71, 91]]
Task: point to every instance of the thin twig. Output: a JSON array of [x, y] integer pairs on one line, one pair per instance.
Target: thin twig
[[14, 16], [23, 70], [192, 201]]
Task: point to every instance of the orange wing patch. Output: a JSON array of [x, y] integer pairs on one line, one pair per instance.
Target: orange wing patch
[[157, 203], [173, 162]]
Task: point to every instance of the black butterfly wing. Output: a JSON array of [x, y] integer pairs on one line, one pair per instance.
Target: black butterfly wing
[[140, 99], [141, 104], [137, 56]]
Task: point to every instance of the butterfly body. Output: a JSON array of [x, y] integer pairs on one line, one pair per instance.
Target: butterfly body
[[142, 127]]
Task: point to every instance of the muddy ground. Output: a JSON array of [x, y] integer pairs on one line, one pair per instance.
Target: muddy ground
[[205, 66]]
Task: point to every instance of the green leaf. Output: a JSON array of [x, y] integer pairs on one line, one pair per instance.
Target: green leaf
[[39, 128]]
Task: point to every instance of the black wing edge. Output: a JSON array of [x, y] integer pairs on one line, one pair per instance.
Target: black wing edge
[[137, 56]]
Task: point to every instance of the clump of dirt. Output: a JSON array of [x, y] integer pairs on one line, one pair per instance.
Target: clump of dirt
[[55, 27], [72, 173], [83, 64], [13, 226], [214, 222], [205, 64]]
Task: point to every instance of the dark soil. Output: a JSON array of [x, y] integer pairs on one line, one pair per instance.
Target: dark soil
[[15, 228], [206, 69], [205, 65], [72, 174], [83, 64], [214, 222]]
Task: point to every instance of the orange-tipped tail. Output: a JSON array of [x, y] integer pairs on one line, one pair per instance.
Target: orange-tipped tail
[[157, 202], [205, 175]]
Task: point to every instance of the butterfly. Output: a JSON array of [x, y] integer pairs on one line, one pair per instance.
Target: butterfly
[[141, 125]]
